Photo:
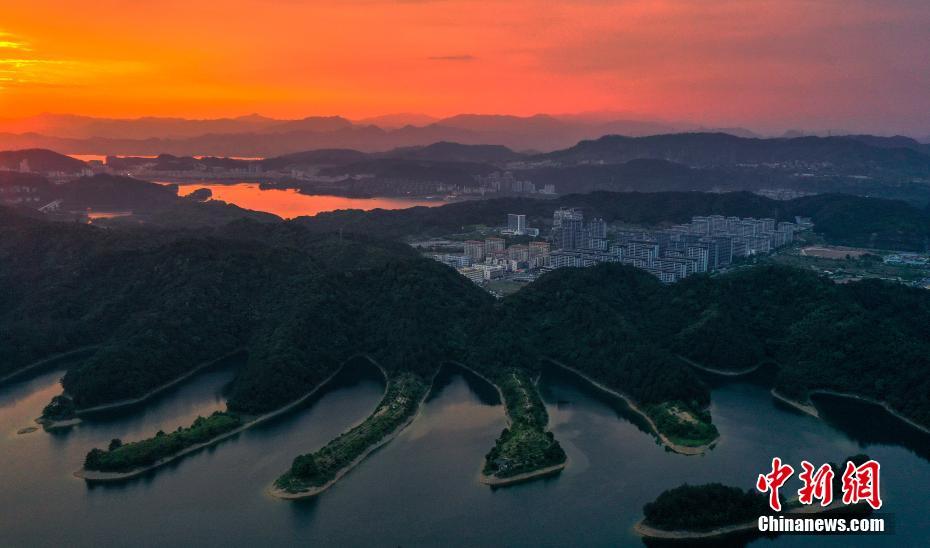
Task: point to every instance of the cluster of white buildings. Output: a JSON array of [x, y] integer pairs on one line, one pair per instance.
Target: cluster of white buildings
[[54, 176], [502, 182], [703, 245], [492, 258]]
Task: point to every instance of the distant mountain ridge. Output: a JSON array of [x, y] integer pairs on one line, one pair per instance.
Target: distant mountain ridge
[[255, 135], [864, 165], [67, 126], [260, 136], [40, 160], [709, 149], [400, 119], [445, 151]]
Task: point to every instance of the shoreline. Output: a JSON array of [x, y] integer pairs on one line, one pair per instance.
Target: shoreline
[[646, 531], [812, 411], [500, 393], [802, 407], [284, 183], [45, 362], [311, 492], [495, 481], [48, 425], [721, 372], [97, 476], [157, 390], [680, 449], [279, 493]]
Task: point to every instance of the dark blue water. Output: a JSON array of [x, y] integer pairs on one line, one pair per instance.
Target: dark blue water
[[422, 489]]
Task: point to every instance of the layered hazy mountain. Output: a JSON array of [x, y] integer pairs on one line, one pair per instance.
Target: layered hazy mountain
[[260, 136], [256, 135], [862, 165]]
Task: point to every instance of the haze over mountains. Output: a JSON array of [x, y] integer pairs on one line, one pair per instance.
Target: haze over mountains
[[862, 165], [259, 136], [255, 135]]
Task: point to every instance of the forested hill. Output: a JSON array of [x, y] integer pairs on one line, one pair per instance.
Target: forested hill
[[867, 338], [861, 165], [842, 218], [40, 160], [720, 149], [161, 302]]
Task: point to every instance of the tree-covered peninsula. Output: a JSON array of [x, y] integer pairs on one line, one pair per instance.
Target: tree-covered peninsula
[[125, 457], [310, 474], [525, 447], [157, 304]]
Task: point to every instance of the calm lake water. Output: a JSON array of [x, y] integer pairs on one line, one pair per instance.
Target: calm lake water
[[421, 489], [288, 203]]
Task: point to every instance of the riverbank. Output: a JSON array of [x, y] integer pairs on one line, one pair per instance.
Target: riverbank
[[248, 422], [51, 360], [383, 408], [721, 372], [677, 448]]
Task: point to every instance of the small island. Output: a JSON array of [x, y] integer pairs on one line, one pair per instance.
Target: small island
[[704, 508], [714, 510], [525, 449], [122, 458], [313, 473]]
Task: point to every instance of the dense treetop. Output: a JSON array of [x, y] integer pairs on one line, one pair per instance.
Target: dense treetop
[[160, 302], [704, 507], [841, 218]]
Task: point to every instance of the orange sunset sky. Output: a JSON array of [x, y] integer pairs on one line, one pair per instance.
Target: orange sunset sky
[[852, 64]]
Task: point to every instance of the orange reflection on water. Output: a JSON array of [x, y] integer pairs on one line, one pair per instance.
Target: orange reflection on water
[[288, 203], [89, 157]]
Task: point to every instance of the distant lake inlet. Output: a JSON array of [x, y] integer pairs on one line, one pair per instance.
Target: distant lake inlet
[[289, 203]]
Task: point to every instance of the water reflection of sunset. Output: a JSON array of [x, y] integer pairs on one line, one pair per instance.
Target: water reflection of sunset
[[289, 203]]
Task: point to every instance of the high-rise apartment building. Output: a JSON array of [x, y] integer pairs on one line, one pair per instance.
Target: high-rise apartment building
[[516, 223]]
